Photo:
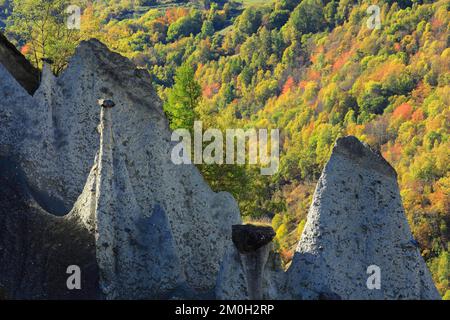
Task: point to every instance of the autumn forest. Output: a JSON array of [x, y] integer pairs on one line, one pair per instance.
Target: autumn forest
[[315, 69]]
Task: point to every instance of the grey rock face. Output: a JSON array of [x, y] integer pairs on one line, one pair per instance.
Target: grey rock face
[[54, 136], [357, 220], [231, 281], [235, 279]]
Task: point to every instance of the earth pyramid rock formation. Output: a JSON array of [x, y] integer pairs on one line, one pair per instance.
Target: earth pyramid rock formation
[[357, 220], [135, 251], [108, 199], [53, 136]]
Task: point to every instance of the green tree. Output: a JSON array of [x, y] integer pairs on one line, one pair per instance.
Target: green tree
[[250, 21], [183, 27], [400, 84], [373, 99], [444, 269], [207, 28], [330, 12], [183, 98], [278, 18], [43, 26]]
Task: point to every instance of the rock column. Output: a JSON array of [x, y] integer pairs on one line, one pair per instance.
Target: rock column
[[254, 245], [104, 207]]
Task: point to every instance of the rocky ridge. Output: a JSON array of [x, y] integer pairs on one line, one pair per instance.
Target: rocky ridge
[[54, 137]]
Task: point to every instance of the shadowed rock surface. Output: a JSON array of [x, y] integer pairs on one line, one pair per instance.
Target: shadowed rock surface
[[248, 238], [18, 66], [36, 248], [357, 220]]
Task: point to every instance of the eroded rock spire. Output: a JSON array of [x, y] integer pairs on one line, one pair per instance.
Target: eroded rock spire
[[254, 245], [57, 158], [356, 223], [105, 215], [135, 250]]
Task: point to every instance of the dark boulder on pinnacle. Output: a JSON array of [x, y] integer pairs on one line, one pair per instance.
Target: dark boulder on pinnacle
[[254, 245], [249, 238]]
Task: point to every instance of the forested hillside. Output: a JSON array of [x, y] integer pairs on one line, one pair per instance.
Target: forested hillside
[[312, 68]]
